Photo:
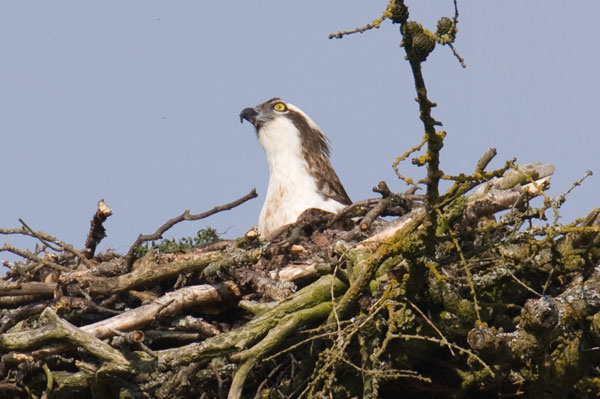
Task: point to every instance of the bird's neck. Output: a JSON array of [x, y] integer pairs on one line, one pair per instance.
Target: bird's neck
[[283, 147], [292, 188]]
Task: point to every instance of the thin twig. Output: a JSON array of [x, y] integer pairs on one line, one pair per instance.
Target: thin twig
[[350, 209], [455, 11], [373, 25], [468, 273], [34, 234], [44, 238], [32, 257], [409, 181], [459, 348], [129, 258], [458, 57], [522, 284], [262, 384], [455, 19], [560, 199], [437, 330]]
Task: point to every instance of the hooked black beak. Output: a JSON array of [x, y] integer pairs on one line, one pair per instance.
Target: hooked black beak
[[248, 114]]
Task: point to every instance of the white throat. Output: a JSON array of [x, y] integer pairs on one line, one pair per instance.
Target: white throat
[[291, 189]]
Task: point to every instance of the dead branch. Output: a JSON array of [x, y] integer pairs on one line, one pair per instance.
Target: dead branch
[[351, 317], [295, 272], [149, 270], [97, 231], [57, 329], [129, 258], [285, 327], [47, 238], [362, 292], [242, 337], [10, 288], [18, 300], [29, 255], [196, 324], [168, 305], [484, 161], [366, 221]]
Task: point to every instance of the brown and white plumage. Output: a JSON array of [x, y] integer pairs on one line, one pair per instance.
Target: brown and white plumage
[[301, 175]]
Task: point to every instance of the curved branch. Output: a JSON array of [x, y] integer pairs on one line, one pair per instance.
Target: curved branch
[[130, 257]]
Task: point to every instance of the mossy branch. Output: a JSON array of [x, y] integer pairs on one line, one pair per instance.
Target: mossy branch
[[56, 328], [238, 339]]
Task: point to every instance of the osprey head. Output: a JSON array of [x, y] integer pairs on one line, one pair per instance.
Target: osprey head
[[264, 113], [283, 128], [301, 176]]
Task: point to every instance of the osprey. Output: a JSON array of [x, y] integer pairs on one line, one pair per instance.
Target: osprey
[[301, 176]]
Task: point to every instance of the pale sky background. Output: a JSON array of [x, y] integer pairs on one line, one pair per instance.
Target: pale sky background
[[137, 102]]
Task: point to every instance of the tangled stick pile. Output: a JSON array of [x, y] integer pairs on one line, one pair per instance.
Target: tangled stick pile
[[469, 293], [343, 306]]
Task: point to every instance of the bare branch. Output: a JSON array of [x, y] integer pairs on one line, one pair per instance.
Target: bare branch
[[45, 239], [97, 231], [28, 255], [169, 304], [129, 258], [485, 160]]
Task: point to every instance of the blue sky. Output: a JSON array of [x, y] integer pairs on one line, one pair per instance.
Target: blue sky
[[137, 102]]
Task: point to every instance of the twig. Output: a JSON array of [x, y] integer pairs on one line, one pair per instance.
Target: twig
[[401, 158], [366, 221], [560, 199], [303, 342], [34, 234], [54, 327], [458, 57], [459, 348], [455, 19], [350, 209], [28, 255], [266, 380], [129, 258], [522, 284], [395, 10], [437, 330], [47, 238], [152, 271], [383, 189], [465, 265], [373, 25], [485, 160], [463, 184]]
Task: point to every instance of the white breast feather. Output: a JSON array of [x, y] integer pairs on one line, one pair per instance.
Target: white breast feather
[[291, 189]]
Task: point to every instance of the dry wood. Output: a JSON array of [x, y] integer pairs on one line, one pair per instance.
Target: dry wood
[[129, 258], [97, 231], [170, 304]]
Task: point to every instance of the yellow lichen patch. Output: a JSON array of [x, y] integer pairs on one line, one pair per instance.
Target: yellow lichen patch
[[422, 160]]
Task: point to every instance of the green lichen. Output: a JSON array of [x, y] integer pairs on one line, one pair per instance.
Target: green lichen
[[203, 236]]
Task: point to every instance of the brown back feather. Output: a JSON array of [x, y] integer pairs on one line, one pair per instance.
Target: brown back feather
[[315, 150]]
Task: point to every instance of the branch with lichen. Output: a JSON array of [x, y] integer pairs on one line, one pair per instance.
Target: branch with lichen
[[388, 13]]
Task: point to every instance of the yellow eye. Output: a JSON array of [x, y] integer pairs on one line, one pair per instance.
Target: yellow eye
[[280, 107]]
